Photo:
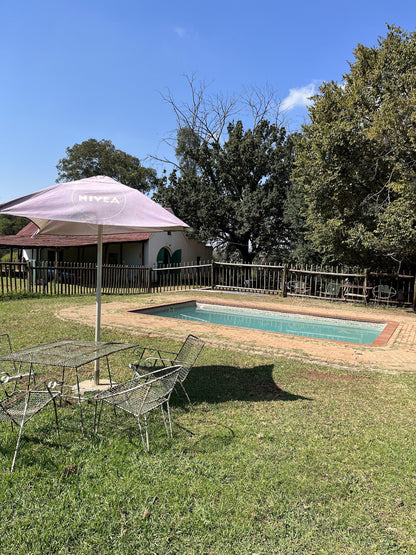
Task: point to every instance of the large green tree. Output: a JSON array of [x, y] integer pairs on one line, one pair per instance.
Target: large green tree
[[232, 193], [356, 159], [94, 157], [10, 225]]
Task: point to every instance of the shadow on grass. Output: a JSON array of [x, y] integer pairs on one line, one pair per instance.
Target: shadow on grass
[[36, 444], [205, 384], [218, 384]]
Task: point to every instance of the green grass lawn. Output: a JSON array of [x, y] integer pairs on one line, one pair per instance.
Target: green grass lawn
[[277, 456]]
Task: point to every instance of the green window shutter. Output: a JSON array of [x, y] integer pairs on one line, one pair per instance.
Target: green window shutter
[[176, 257]]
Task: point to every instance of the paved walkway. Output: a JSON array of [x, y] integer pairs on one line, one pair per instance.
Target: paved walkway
[[397, 355]]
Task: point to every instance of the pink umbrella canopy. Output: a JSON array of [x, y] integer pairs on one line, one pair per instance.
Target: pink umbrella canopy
[[93, 206], [80, 207]]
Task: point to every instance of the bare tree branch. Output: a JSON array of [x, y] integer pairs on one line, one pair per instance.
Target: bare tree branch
[[262, 104], [208, 115]]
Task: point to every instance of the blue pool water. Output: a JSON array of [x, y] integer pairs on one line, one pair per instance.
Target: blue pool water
[[349, 331]]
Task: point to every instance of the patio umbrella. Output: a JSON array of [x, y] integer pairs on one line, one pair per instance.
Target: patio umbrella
[[93, 206]]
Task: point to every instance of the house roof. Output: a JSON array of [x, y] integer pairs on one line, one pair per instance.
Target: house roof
[[28, 237]]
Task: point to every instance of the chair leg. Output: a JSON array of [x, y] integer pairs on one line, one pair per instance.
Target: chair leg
[[97, 420], [80, 405], [170, 419], [145, 443], [56, 418], [31, 376], [109, 372], [17, 445], [164, 420], [20, 431], [147, 433], [62, 386], [186, 394]]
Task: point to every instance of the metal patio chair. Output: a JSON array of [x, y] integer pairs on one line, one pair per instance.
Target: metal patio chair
[[383, 292], [139, 397], [186, 357], [298, 288], [332, 290], [9, 370], [19, 406]]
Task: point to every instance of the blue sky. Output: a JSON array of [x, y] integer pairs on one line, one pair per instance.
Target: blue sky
[[78, 69]]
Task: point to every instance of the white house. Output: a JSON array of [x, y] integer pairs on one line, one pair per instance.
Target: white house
[[136, 249]]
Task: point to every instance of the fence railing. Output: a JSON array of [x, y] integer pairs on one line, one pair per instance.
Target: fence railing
[[314, 281]]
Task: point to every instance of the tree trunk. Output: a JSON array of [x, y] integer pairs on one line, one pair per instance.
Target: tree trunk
[[246, 254]]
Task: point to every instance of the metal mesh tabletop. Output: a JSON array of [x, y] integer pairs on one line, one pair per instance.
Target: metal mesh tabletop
[[67, 353]]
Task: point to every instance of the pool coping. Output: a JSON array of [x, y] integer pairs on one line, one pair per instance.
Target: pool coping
[[380, 341]]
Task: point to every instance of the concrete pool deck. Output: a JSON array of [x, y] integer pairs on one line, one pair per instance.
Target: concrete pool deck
[[398, 354]]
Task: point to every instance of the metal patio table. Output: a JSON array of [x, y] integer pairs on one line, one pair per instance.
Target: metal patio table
[[68, 354]]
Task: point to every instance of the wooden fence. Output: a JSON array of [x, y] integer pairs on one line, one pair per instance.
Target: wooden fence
[[313, 281]]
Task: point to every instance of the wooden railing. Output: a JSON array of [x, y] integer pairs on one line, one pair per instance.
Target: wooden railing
[[314, 281], [174, 277], [13, 277]]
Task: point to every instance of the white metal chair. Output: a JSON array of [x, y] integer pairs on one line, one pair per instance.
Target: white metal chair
[[19, 406], [383, 292], [139, 397], [10, 371], [298, 287], [186, 357], [332, 290]]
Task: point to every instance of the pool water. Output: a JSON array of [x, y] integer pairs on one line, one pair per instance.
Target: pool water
[[349, 331]]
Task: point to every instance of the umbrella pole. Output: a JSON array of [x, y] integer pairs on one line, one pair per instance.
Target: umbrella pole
[[98, 299]]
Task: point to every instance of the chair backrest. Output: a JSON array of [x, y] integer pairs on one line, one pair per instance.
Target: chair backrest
[[138, 397], [333, 288], [21, 405], [384, 291], [188, 354], [158, 390], [165, 383]]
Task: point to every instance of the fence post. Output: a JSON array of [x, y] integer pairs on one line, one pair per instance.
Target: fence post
[[29, 276], [212, 274], [414, 296], [365, 285], [149, 278], [284, 280]]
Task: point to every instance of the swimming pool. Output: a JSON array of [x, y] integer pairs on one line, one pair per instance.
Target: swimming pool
[[336, 329]]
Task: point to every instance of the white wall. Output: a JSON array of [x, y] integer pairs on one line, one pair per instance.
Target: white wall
[[133, 254], [191, 249]]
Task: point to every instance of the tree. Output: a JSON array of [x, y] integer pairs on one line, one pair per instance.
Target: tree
[[356, 159], [231, 189], [207, 116], [232, 194], [94, 157], [10, 225]]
